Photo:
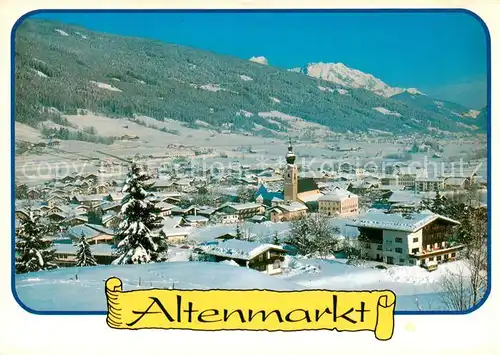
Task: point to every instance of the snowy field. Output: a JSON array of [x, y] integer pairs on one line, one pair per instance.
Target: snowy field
[[314, 155], [82, 289], [60, 290], [414, 286]]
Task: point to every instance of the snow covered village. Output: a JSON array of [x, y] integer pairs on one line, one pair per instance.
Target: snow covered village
[[306, 233], [206, 171]]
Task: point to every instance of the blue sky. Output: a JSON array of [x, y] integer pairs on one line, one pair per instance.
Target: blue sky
[[442, 54]]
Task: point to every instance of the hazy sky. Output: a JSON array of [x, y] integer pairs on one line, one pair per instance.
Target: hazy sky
[[442, 54]]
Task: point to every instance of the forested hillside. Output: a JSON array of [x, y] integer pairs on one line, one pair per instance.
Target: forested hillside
[[69, 68]]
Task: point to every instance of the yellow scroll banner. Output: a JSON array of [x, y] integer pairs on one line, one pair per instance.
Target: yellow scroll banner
[[251, 310]]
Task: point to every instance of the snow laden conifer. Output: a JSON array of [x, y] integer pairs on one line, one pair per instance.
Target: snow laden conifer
[[139, 217], [33, 252], [84, 255]]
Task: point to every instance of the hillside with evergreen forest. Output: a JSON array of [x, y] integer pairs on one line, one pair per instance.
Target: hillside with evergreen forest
[[61, 68]]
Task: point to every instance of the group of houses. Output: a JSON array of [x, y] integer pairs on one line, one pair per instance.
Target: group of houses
[[89, 205]]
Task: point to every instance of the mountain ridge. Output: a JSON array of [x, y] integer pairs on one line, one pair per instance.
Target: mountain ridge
[[69, 68], [341, 74]]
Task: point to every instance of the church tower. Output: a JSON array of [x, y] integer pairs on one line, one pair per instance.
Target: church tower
[[291, 176]]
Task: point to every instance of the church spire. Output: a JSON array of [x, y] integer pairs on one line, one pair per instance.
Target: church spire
[[290, 156]]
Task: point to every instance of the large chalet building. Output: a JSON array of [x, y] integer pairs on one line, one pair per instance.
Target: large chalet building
[[406, 239]]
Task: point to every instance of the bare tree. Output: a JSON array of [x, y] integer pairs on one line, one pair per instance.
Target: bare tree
[[352, 248], [462, 289], [314, 234], [245, 194], [246, 231], [466, 287]]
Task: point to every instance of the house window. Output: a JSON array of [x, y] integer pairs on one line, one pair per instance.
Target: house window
[[399, 240], [415, 240], [431, 259], [399, 250], [438, 258], [453, 255], [402, 261]]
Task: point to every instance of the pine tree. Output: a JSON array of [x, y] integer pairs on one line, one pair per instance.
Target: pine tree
[[276, 240], [33, 253], [84, 255], [438, 203], [139, 216], [94, 216], [238, 232]]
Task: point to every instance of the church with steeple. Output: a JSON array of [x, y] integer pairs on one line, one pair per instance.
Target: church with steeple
[[291, 176], [302, 190]]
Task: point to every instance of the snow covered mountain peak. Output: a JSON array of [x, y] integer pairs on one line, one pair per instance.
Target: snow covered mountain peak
[[341, 74], [414, 91], [260, 60]]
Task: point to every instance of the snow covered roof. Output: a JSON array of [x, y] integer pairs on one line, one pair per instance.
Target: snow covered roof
[[100, 228], [311, 174], [55, 195], [395, 221], [244, 206], [109, 205], [165, 195], [339, 184], [322, 185], [88, 230], [309, 198], [238, 249], [163, 183], [391, 187], [207, 210], [70, 210], [96, 249], [165, 206], [192, 218], [171, 222], [178, 209], [405, 196], [81, 218], [408, 170], [292, 207], [371, 178], [337, 195], [98, 197], [175, 232], [107, 217], [429, 179]]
